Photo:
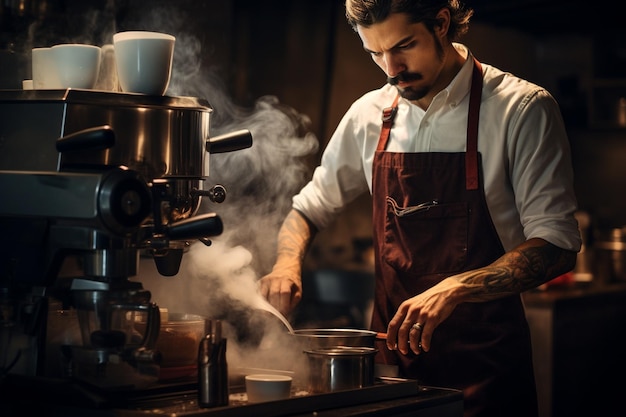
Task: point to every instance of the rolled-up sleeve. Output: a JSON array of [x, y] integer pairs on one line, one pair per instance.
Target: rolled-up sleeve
[[339, 179], [541, 172]]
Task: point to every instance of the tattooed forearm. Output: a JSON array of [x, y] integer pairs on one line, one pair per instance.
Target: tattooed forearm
[[294, 237], [528, 266]]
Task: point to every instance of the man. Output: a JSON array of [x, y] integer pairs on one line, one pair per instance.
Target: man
[[473, 203]]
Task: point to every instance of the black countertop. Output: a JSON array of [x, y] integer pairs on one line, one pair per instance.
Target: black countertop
[[395, 396], [578, 333], [572, 292]]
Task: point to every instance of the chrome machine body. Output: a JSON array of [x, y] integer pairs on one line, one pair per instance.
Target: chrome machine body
[[90, 180]]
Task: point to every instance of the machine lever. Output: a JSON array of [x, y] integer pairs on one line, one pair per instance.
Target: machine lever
[[196, 227], [95, 138], [229, 142], [216, 194]]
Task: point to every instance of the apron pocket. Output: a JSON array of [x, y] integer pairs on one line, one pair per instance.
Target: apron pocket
[[426, 241]]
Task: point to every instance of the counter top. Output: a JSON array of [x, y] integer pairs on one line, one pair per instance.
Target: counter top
[[577, 334], [572, 292], [394, 396]]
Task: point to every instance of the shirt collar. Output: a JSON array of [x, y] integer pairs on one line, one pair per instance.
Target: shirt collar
[[460, 85]]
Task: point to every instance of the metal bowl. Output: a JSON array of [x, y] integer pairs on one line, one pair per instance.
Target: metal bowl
[[328, 338], [340, 368]]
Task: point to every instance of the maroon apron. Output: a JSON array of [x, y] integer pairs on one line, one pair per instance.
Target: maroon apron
[[431, 221]]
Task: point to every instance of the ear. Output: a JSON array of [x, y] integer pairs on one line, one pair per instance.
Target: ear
[[443, 23]]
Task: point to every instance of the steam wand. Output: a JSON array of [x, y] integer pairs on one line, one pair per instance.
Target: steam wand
[[167, 257]]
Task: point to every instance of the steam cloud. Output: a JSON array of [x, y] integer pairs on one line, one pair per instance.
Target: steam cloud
[[219, 281]]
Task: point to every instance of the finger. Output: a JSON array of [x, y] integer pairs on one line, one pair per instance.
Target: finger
[[392, 331], [403, 335], [415, 337], [286, 297], [427, 333], [274, 295]]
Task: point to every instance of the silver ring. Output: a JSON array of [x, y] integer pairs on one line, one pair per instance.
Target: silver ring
[[417, 326]]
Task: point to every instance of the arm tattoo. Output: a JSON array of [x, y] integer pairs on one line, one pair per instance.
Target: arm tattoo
[[295, 236], [524, 268]]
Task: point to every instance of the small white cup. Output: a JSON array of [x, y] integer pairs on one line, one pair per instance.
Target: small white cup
[[267, 387], [144, 61], [27, 84], [44, 69], [77, 65]]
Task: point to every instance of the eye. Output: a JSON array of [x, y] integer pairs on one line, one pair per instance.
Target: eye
[[406, 46]]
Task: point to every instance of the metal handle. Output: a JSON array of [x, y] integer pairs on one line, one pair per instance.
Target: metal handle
[[95, 138], [229, 142], [196, 227]]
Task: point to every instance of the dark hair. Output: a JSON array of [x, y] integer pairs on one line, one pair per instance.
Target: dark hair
[[367, 12]]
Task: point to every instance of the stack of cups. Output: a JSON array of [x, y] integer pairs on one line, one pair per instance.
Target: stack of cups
[[69, 65], [137, 62]]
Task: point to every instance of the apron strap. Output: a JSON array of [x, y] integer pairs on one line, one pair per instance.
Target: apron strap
[[389, 114], [471, 152]]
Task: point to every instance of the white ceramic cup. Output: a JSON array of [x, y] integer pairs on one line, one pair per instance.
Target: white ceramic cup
[[44, 69], [144, 61], [77, 65], [267, 387]]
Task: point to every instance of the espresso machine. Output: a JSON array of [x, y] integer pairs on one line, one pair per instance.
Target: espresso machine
[[90, 181]]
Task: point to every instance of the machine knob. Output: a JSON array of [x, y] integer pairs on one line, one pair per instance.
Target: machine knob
[[216, 194], [124, 200]]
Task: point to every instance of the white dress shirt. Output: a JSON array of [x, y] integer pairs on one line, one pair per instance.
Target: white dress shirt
[[528, 177]]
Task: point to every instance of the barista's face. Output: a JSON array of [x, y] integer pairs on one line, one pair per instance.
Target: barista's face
[[412, 57]]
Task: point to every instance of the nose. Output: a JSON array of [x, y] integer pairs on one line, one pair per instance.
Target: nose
[[392, 64]]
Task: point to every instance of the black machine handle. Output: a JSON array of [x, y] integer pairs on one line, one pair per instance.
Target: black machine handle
[[229, 142], [94, 138], [196, 227]]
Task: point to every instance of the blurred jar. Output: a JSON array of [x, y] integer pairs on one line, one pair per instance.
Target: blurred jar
[[610, 255]]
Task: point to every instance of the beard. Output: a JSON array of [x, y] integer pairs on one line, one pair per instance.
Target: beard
[[413, 94], [409, 93]]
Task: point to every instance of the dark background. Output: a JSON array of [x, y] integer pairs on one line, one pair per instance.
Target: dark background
[[304, 54]]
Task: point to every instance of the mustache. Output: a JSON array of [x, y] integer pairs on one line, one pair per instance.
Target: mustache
[[404, 76]]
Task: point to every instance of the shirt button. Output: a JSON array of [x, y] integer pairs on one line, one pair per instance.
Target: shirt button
[[453, 105]]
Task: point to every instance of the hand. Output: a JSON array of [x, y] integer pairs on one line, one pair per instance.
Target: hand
[[528, 265], [283, 286], [428, 310], [282, 290]]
